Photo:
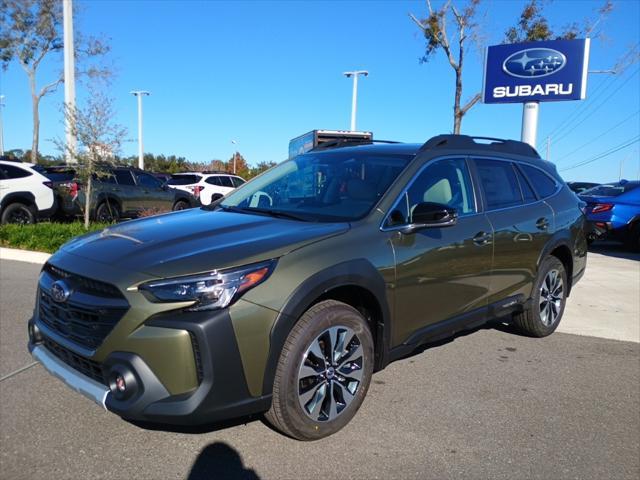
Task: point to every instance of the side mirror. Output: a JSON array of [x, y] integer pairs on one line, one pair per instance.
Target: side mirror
[[431, 215]]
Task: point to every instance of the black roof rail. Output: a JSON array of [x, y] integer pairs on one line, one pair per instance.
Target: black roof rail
[[466, 142], [349, 142]]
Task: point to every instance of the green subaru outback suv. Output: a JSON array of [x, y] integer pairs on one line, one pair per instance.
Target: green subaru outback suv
[[288, 294]]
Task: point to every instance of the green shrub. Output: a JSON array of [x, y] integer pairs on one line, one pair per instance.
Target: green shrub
[[42, 237]]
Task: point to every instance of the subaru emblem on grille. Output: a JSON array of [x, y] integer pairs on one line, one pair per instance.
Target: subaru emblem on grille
[[60, 291]]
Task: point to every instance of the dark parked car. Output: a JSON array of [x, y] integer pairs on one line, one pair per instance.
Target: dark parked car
[[579, 187], [289, 293], [613, 211], [122, 192]]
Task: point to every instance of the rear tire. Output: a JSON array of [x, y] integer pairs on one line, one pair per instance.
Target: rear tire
[[323, 373], [18, 213], [107, 213], [548, 300]]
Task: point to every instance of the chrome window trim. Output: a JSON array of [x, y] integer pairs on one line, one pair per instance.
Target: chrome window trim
[[464, 158]]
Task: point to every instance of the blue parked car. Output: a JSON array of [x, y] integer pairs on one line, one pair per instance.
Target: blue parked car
[[613, 211]]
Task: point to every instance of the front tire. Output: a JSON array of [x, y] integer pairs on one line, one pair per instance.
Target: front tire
[[542, 316], [107, 212], [180, 205], [323, 373]]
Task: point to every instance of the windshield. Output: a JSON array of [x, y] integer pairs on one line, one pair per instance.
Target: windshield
[[610, 190], [326, 187]]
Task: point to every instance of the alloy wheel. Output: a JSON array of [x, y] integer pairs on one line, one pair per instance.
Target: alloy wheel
[[551, 297], [330, 373]]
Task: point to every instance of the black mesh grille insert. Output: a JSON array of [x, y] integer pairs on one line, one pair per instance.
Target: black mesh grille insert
[[85, 366], [84, 284], [89, 314], [86, 326]]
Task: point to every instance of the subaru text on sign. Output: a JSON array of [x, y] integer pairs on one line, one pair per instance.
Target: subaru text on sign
[[536, 71]]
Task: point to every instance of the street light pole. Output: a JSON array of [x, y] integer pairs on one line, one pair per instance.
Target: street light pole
[[69, 80], [1, 129], [140, 94], [235, 155], [354, 97]]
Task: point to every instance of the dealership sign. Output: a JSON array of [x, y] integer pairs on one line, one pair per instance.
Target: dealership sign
[[536, 71]]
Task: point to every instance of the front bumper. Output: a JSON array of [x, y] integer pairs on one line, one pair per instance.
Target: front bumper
[[88, 387], [222, 392]]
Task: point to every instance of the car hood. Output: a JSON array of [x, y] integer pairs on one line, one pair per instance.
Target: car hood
[[197, 240]]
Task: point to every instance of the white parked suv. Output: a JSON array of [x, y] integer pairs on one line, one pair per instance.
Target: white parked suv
[[25, 194], [207, 186]]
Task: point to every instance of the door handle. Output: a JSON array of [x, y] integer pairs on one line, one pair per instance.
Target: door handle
[[482, 238], [542, 223]]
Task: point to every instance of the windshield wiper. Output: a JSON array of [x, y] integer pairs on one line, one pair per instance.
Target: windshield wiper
[[264, 211]]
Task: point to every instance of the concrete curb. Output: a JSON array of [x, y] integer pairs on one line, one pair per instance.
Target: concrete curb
[[23, 255]]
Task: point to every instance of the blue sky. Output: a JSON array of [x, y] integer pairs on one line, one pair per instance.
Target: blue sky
[[264, 72]]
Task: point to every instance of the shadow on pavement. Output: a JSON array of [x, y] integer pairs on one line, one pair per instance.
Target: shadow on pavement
[[220, 461], [611, 249]]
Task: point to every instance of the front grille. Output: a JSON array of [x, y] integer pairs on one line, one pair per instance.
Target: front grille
[[85, 366], [84, 284], [85, 326], [88, 316]]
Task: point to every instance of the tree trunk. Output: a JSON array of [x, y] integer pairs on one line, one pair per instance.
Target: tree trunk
[[87, 202], [35, 101], [457, 113]]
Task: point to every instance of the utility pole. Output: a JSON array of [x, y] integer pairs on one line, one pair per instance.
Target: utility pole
[[622, 160], [354, 97], [1, 129], [548, 148], [69, 80], [140, 94], [235, 155]]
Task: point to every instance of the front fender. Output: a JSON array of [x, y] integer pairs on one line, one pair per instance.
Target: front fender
[[360, 273]]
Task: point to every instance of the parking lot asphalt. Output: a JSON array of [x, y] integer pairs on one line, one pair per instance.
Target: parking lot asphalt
[[489, 404]]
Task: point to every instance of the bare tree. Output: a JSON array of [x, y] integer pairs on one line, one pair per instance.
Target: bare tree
[[455, 46], [30, 32], [99, 142]]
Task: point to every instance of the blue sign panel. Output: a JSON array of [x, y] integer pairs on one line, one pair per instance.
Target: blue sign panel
[[536, 72]]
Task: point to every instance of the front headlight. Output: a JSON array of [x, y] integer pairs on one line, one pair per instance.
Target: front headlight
[[211, 290]]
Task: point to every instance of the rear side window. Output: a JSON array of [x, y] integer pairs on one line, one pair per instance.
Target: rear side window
[[10, 171], [124, 177], [527, 191], [183, 179], [499, 183], [542, 183]]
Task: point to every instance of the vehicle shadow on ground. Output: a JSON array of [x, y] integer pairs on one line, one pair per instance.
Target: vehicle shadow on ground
[[500, 324], [220, 461], [615, 250], [196, 429]]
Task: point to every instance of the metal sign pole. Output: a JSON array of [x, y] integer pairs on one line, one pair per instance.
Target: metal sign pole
[[530, 123]]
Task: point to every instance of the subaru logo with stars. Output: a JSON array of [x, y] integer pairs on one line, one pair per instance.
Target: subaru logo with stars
[[60, 291], [534, 62]]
